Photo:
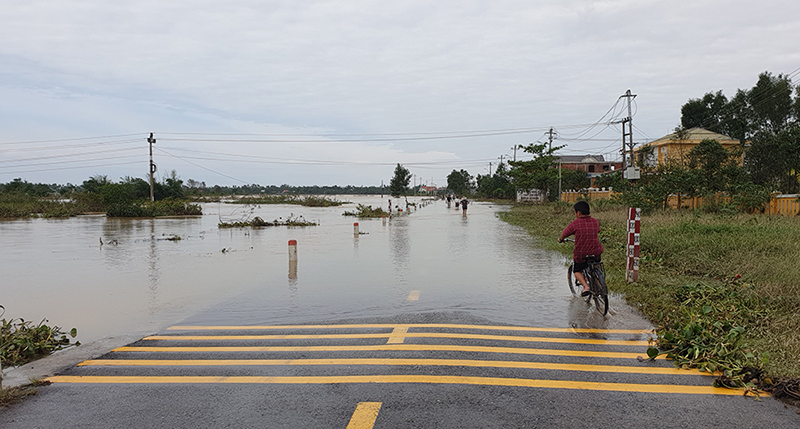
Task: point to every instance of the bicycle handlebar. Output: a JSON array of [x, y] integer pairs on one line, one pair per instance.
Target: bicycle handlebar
[[569, 239]]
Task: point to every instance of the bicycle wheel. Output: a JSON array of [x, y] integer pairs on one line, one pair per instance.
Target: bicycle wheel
[[574, 287], [587, 275], [600, 291]]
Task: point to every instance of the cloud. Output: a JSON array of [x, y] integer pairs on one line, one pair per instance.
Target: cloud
[[95, 68]]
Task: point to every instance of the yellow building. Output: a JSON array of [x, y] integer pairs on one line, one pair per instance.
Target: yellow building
[[674, 148]]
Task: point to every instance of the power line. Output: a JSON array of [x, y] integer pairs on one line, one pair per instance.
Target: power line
[[70, 168], [276, 160], [69, 139], [40, 148], [204, 168], [69, 155]]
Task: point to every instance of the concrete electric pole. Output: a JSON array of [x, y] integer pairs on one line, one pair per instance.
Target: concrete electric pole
[[627, 137], [152, 141]]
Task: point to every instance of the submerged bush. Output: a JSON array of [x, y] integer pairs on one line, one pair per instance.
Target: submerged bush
[[154, 208], [308, 201], [363, 211], [22, 342]]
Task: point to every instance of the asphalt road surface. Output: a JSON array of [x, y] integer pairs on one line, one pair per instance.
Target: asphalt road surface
[[427, 371]]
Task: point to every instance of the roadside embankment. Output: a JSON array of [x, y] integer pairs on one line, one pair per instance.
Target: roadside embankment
[[722, 289]]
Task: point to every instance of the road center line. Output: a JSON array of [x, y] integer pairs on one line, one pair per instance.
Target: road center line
[[364, 415], [427, 379]]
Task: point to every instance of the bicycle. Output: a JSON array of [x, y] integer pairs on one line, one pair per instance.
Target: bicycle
[[595, 275]]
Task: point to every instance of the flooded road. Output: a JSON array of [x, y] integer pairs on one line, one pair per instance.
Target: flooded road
[[138, 281]]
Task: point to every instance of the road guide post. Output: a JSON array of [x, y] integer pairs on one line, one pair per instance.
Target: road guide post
[[632, 264]]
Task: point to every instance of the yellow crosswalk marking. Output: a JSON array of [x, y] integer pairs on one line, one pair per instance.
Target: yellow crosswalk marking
[[390, 335], [391, 347], [415, 325], [387, 379], [397, 362]]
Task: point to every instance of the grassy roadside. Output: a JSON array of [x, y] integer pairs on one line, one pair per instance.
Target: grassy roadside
[[722, 289]]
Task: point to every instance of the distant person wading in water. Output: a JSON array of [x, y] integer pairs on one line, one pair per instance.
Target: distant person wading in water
[[464, 203]]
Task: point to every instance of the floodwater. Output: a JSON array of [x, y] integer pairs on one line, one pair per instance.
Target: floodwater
[[138, 281]]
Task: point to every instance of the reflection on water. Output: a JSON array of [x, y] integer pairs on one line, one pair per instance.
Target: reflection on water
[[153, 273], [139, 281]]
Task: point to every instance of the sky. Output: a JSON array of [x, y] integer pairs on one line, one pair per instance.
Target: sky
[[340, 92]]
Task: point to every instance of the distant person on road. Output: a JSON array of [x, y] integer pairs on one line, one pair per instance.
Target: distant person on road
[[448, 201], [464, 203], [585, 229]]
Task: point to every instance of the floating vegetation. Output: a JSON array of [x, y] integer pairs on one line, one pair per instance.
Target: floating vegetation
[[292, 220], [308, 201], [363, 211], [22, 342]]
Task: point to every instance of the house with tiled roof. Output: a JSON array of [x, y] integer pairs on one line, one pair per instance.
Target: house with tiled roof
[[675, 147], [593, 165]]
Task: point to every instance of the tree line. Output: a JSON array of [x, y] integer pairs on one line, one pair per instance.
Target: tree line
[[765, 119]]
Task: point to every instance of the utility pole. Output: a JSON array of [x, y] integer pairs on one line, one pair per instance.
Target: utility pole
[[152, 141], [559, 180], [627, 135], [550, 139], [490, 169], [515, 153]]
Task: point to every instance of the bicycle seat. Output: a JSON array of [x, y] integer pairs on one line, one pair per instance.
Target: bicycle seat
[[591, 259]]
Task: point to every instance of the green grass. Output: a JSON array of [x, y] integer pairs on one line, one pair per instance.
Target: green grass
[[715, 282]]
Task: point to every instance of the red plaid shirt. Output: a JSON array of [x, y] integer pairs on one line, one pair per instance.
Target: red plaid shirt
[[586, 242]]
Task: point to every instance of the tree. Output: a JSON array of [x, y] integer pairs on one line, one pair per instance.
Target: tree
[[712, 164], [399, 184], [611, 180], [771, 102], [496, 186], [767, 107], [774, 160], [574, 180], [541, 172], [95, 183], [460, 182], [707, 112]]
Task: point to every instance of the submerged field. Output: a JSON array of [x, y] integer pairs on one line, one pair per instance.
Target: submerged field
[[717, 282]]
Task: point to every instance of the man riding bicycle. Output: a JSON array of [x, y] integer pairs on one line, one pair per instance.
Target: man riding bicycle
[[585, 229]]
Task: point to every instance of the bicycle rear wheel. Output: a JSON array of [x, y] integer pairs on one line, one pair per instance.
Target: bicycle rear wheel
[[601, 291], [574, 286]]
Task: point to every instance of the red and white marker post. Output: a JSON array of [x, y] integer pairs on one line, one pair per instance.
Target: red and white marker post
[[632, 265]]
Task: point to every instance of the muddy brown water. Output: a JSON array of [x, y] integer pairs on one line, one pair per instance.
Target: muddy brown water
[[139, 281]]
